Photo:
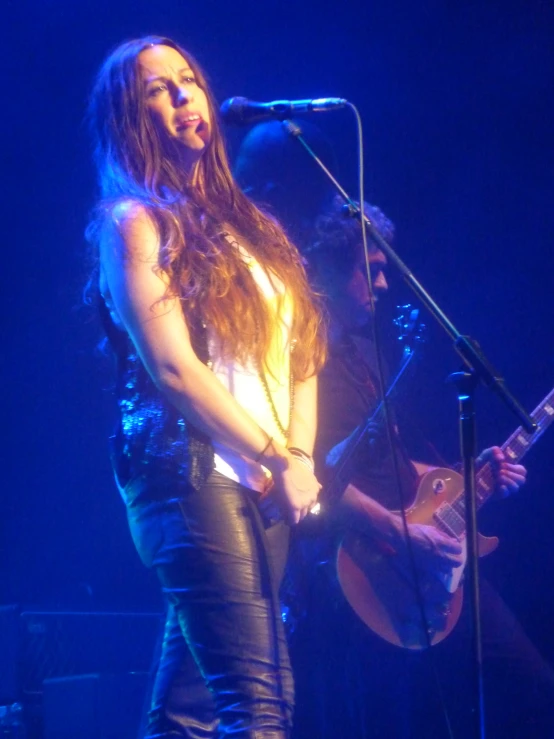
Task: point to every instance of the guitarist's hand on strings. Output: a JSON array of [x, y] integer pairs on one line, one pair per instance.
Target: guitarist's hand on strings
[[506, 477], [433, 551]]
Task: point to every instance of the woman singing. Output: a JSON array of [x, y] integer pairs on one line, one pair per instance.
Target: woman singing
[[218, 345]]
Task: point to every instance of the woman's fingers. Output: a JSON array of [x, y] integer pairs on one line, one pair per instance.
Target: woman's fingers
[[299, 488]]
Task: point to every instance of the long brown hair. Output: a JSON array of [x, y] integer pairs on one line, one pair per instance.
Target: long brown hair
[[204, 268]]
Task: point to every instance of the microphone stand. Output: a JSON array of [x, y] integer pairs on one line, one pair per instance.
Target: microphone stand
[[477, 368]]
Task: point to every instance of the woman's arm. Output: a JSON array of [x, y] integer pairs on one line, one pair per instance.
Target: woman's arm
[[303, 422], [157, 326]]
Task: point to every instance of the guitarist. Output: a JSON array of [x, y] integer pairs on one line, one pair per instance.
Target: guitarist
[[350, 683]]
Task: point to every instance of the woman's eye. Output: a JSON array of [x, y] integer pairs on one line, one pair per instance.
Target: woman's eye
[[153, 91], [189, 79]]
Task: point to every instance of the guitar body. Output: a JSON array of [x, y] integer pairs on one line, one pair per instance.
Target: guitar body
[[380, 587], [383, 594]]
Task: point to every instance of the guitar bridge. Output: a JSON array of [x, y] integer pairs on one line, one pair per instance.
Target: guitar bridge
[[449, 521]]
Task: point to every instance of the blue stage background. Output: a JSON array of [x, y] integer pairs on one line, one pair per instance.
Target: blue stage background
[[458, 112]]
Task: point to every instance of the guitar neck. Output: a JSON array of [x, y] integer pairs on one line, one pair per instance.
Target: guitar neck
[[515, 448]]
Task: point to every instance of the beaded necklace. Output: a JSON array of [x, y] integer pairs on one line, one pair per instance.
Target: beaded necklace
[[267, 391], [248, 259]]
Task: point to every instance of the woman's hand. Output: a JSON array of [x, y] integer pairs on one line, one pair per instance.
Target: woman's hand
[[295, 488]]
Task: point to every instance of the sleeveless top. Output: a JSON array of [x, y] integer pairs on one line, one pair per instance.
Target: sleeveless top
[[156, 454], [244, 380]]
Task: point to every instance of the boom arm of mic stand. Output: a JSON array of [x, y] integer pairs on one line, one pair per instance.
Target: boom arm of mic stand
[[466, 347]]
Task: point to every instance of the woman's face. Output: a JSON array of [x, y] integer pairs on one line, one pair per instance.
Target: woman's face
[[178, 106]]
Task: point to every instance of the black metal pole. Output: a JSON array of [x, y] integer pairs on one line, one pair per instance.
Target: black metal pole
[[466, 383]]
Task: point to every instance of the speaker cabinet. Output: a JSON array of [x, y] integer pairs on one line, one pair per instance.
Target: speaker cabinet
[[96, 706]]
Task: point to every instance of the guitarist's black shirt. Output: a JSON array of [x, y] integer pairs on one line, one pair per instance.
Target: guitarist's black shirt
[[348, 395]]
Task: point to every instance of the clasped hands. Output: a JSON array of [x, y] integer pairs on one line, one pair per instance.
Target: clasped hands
[[292, 491]]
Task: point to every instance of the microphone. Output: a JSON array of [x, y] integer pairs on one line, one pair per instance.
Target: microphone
[[240, 111]]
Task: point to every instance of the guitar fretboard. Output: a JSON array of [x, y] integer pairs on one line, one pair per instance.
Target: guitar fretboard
[[515, 449]]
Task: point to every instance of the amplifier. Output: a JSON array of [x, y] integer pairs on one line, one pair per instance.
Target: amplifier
[[61, 644], [93, 706]]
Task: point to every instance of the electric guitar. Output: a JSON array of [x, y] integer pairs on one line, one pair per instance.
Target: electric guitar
[[383, 593]]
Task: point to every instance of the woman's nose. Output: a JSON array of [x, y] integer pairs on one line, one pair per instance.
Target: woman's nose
[[183, 95]]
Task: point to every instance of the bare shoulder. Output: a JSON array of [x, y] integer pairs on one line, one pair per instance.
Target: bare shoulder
[[131, 233], [130, 215]]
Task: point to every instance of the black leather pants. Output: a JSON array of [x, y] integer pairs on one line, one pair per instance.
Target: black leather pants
[[224, 666]]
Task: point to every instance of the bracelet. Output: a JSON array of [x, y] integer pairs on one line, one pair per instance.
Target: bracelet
[[302, 456], [264, 450], [304, 461], [300, 453]]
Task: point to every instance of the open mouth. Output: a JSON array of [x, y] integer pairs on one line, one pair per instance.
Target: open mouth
[[190, 121]]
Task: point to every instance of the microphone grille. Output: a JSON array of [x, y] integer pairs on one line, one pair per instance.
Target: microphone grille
[[232, 110]]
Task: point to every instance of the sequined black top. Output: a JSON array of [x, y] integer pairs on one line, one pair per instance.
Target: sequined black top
[[155, 453]]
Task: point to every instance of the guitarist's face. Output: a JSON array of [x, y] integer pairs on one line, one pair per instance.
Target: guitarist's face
[[352, 302]]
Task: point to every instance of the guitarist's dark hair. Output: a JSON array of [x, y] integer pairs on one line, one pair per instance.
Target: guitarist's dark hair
[[338, 236]]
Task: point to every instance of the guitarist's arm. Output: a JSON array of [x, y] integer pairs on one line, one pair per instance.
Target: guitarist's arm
[[360, 512], [434, 550]]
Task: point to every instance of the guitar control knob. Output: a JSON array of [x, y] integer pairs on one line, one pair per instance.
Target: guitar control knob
[[439, 486]]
